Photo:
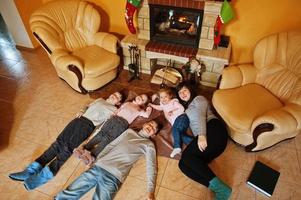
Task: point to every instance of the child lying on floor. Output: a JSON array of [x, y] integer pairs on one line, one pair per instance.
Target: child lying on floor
[[174, 113], [113, 127], [78, 130]]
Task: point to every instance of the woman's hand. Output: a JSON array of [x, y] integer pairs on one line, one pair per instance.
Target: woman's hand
[[202, 142]]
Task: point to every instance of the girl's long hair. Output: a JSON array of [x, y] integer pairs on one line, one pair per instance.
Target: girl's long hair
[[192, 93]]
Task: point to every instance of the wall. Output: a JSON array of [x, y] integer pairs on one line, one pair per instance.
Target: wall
[[256, 19], [25, 8], [15, 24]]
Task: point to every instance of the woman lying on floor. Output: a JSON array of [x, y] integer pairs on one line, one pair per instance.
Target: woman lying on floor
[[211, 140]]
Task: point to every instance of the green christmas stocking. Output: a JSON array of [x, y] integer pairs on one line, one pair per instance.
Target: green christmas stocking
[[224, 17], [130, 9]]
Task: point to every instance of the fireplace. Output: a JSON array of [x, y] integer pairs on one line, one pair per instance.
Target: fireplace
[[160, 52], [175, 25]]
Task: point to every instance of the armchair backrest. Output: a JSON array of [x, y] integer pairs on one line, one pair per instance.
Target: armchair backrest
[[67, 24], [278, 61]]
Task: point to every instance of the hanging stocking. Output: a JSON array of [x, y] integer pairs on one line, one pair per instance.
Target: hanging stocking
[[224, 17], [217, 30], [130, 9]]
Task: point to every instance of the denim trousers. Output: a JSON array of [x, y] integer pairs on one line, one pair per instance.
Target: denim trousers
[[179, 129], [106, 184]]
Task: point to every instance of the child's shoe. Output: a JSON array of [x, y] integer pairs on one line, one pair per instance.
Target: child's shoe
[[31, 169], [36, 180], [175, 151]]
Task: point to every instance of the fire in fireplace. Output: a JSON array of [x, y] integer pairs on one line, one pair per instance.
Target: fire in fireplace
[[175, 25]]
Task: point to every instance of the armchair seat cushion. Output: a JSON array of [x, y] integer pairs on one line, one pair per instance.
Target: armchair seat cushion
[[242, 105], [94, 56]]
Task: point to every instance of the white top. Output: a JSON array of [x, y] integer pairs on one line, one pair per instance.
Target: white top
[[99, 111]]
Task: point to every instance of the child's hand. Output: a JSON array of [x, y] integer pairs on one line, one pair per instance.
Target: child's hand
[[79, 114], [87, 158], [91, 161], [148, 110], [154, 97], [77, 152], [150, 196]]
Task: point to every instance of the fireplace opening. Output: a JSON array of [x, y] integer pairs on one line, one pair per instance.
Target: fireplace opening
[[175, 25]]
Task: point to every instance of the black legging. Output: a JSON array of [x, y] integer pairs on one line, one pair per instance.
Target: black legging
[[194, 163]]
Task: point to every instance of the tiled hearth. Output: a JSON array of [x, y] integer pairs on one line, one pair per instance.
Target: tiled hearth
[[181, 51], [153, 53], [195, 4]]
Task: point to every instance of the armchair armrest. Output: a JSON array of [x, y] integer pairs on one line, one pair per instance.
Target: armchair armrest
[[276, 125], [106, 41], [238, 75], [62, 59]]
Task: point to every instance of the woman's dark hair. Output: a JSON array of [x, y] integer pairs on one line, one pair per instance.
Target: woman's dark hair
[[192, 93]]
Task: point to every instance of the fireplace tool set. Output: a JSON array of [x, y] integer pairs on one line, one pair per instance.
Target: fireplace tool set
[[135, 64]]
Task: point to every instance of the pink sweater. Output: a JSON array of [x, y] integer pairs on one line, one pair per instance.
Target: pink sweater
[[131, 111], [172, 110]]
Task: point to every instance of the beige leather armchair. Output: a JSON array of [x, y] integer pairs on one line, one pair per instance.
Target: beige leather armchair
[[68, 30], [261, 102]]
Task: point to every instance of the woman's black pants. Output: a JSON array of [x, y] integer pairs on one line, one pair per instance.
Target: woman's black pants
[[194, 163]]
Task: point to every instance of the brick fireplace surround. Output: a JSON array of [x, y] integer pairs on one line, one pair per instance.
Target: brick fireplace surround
[[153, 53]]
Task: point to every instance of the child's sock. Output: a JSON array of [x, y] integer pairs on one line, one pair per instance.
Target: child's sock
[[175, 151]]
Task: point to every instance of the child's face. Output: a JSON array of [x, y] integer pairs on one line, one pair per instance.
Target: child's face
[[141, 99], [115, 98], [164, 98]]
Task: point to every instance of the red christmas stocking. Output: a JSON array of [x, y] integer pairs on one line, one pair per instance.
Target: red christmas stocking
[[130, 9], [217, 30]]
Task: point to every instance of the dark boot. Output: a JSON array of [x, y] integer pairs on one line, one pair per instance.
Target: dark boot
[[38, 179], [30, 170], [221, 190]]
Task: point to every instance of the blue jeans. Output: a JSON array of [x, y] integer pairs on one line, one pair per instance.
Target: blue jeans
[[179, 129], [106, 185]]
